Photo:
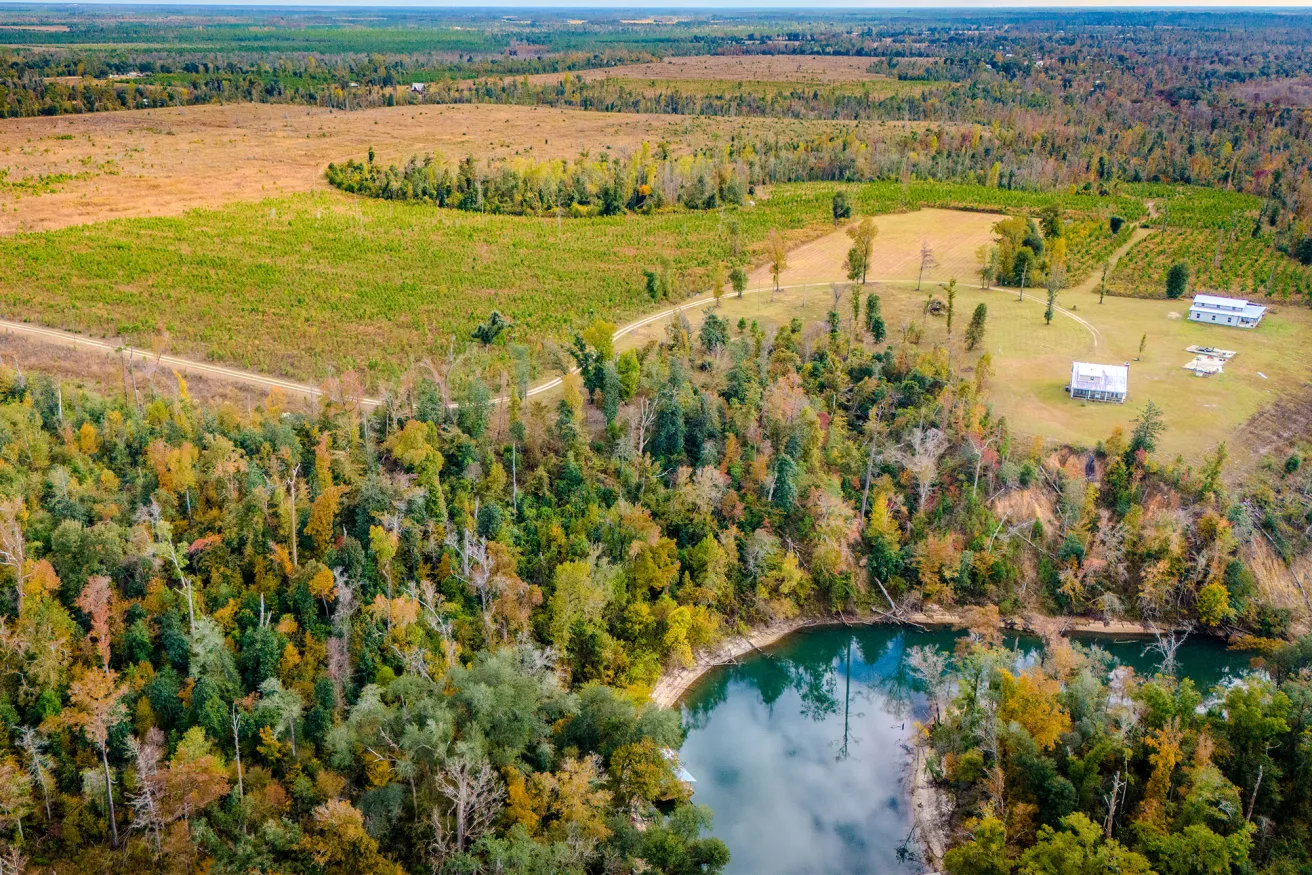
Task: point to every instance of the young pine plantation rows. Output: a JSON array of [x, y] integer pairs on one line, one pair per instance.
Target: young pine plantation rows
[[1219, 260]]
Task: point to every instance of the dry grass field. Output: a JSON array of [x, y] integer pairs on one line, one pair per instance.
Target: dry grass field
[[162, 162], [953, 235]]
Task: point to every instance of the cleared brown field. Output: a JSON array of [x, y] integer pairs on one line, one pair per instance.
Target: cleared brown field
[[165, 161], [953, 236]]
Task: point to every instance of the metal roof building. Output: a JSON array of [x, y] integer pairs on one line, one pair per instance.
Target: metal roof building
[[1094, 382], [1217, 310]]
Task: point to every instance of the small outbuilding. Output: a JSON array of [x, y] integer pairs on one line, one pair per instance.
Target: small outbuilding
[[1217, 310], [1093, 382]]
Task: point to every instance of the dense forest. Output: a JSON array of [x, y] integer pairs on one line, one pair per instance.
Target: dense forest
[[422, 637]]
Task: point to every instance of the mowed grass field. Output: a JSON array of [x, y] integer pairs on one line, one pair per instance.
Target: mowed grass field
[[1032, 361], [952, 235]]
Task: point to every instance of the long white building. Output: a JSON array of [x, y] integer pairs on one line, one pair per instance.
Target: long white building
[[1216, 310]]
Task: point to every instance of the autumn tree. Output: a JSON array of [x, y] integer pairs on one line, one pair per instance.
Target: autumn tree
[[95, 706], [863, 242]]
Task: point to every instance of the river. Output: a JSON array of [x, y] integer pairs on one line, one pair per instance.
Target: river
[[801, 751]]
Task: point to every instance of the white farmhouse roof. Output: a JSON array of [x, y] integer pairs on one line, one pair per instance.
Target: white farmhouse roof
[[1220, 304], [1100, 378]]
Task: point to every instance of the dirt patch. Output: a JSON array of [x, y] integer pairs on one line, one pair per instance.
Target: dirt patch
[[1272, 432], [1019, 505], [1278, 583], [165, 161]]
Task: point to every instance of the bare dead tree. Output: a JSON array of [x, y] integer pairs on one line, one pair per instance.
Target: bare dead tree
[[978, 447], [236, 747], [473, 795], [144, 803], [644, 415], [476, 569], [927, 261], [1166, 643], [930, 664], [920, 456], [164, 548], [1112, 800], [33, 744]]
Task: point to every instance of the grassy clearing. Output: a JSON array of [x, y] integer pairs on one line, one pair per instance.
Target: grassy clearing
[[306, 284]]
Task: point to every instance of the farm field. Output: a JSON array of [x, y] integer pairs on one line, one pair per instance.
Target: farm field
[[306, 285], [165, 161]]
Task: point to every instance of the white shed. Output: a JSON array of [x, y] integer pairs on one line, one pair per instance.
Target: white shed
[[1095, 382]]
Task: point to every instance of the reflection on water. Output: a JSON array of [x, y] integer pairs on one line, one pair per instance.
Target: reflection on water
[[803, 753]]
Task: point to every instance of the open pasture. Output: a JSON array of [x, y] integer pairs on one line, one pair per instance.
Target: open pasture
[[162, 162], [305, 285]]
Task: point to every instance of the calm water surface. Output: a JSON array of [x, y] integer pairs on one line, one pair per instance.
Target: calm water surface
[[802, 753]]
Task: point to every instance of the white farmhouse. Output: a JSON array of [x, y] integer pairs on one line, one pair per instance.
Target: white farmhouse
[[1216, 310], [1099, 382]]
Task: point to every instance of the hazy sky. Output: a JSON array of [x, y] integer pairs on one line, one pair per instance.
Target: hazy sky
[[799, 5]]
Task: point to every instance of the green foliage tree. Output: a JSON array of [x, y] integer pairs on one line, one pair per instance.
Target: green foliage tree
[[841, 207], [1177, 280], [975, 330]]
